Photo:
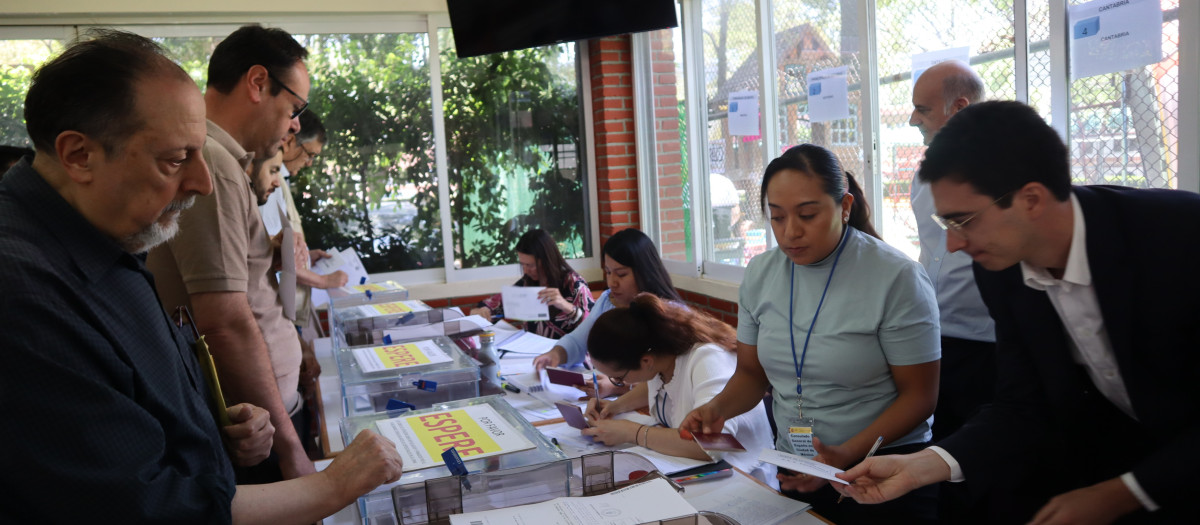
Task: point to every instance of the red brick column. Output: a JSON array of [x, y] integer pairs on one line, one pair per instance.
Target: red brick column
[[612, 115], [668, 150]]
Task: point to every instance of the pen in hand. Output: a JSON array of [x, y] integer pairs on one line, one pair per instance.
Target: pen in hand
[[595, 385], [875, 447]]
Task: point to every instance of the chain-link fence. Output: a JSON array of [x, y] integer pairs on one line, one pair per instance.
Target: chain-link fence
[[1123, 126], [912, 27]]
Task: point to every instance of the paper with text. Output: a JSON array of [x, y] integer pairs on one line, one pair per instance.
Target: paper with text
[[747, 502], [522, 303], [395, 357], [1108, 36], [827, 98], [653, 500], [477, 431], [801, 464]]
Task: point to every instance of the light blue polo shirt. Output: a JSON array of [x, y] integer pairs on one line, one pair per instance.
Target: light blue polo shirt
[[880, 310]]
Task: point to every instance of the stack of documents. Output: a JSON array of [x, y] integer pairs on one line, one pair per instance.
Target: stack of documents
[[653, 500]]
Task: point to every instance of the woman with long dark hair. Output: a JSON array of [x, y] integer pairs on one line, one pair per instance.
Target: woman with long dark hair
[[845, 330], [566, 292], [631, 266], [679, 359]]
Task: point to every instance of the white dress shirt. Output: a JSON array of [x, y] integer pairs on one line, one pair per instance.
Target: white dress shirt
[[963, 314], [1074, 298]]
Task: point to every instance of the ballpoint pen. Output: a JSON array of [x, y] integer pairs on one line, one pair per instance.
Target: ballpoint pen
[[878, 441], [595, 385]]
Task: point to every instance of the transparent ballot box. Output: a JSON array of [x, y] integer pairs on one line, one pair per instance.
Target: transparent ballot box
[[363, 293], [364, 324], [434, 501], [496, 438], [418, 372]]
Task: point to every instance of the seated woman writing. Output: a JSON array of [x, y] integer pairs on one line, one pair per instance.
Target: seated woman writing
[[679, 359], [566, 292], [631, 266]]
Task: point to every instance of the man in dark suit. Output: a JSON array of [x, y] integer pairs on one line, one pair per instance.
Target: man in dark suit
[[1095, 293]]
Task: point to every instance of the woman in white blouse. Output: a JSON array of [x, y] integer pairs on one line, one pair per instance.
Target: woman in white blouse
[[679, 359]]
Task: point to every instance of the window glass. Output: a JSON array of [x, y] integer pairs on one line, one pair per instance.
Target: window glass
[[1124, 126], [514, 151], [668, 93], [735, 157], [910, 27], [18, 60], [373, 187]]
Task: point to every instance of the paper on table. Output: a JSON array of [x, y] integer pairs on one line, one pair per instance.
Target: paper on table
[[522, 303], [801, 464], [416, 436], [667, 464], [653, 500], [747, 502], [395, 357], [527, 343]]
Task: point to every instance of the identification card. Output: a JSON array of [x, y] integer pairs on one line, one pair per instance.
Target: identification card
[[800, 436]]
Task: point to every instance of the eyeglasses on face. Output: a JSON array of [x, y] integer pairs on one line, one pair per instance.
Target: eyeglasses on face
[[619, 381], [303, 101], [310, 154], [958, 225]]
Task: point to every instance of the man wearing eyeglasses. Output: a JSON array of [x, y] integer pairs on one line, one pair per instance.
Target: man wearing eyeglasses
[[1095, 295], [103, 401], [968, 374], [222, 263]]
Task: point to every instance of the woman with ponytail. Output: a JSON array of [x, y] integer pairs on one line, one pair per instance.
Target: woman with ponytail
[[845, 330], [679, 359]]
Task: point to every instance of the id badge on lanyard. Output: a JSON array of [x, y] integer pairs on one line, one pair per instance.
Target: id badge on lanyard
[[800, 434]]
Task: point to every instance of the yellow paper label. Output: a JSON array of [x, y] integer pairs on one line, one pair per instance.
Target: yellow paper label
[[392, 308], [402, 355], [441, 431], [370, 287], [800, 430]]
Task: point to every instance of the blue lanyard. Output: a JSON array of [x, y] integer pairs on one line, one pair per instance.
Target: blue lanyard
[[660, 410], [792, 307]]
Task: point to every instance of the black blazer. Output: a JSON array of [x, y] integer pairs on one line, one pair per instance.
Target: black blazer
[[1144, 254]]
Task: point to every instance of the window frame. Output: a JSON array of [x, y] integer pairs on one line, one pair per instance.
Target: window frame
[[467, 281], [712, 276]]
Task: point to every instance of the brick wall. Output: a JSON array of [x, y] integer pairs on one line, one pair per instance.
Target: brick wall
[[668, 145], [718, 308], [612, 115]]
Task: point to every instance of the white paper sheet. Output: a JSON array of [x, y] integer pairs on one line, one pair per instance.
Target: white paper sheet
[[747, 502], [827, 98], [390, 358], [664, 463], [476, 431], [801, 464], [650, 501], [923, 61], [522, 303], [1109, 36], [743, 113], [287, 271], [527, 343]]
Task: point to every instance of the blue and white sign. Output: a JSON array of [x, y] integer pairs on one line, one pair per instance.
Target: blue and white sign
[[1108, 36], [829, 101]]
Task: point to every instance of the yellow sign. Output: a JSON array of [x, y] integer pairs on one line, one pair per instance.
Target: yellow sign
[[440, 431], [400, 356], [392, 308], [370, 287]]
